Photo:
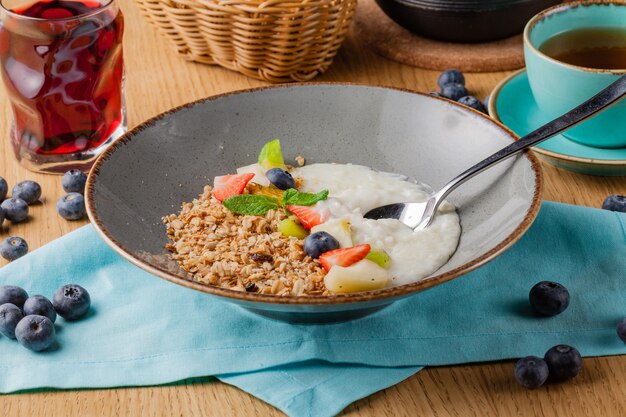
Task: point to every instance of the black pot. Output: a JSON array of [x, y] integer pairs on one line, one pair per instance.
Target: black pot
[[465, 21]]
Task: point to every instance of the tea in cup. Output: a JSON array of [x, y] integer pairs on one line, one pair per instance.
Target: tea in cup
[[572, 52]]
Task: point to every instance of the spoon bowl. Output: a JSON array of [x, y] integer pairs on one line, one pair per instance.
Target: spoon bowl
[[410, 214]]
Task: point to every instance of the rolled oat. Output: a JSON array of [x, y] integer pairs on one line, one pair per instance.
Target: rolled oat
[[240, 252]]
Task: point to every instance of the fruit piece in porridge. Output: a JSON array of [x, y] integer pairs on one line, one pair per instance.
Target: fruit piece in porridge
[[309, 216], [259, 177], [227, 186], [364, 275], [344, 257], [339, 229], [292, 227], [379, 257], [271, 156]]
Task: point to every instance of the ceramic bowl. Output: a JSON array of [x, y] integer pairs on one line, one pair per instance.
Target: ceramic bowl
[[464, 21], [167, 160]]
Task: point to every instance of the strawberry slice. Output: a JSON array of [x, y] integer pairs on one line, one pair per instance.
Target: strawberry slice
[[309, 216], [344, 257], [230, 185]]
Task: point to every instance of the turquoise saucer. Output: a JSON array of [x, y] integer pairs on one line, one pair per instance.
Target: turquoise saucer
[[513, 104]]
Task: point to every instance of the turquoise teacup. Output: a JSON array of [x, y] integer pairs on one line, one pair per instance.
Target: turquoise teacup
[[558, 87]]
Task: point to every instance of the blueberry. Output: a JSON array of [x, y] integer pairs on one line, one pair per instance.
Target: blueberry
[[13, 294], [615, 202], [450, 76], [548, 298], [35, 332], [71, 206], [564, 362], [13, 247], [72, 301], [4, 188], [10, 315], [472, 102], [39, 305], [531, 371], [28, 191], [435, 93], [621, 330], [15, 209], [319, 242], [1, 216], [73, 181], [454, 91], [280, 178]]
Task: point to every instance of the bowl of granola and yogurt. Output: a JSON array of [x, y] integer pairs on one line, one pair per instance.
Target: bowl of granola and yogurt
[[204, 197], [305, 234]]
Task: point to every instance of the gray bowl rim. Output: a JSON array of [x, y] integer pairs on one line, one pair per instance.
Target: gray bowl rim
[[334, 299]]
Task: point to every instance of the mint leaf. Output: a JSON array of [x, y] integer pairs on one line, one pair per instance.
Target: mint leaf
[[288, 195], [295, 197], [255, 205]]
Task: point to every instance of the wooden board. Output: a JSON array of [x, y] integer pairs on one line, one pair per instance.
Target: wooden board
[[389, 39]]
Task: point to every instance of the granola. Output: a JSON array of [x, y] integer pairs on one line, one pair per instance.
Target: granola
[[241, 252]]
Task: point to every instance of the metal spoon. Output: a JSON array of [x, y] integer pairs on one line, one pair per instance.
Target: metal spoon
[[418, 216]]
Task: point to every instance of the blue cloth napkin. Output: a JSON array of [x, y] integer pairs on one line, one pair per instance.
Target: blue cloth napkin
[[144, 331]]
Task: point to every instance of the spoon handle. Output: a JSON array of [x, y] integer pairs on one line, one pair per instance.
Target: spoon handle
[[589, 108]]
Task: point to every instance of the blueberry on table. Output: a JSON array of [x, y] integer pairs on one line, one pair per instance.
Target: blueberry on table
[[15, 209], [73, 181], [621, 330], [564, 362], [454, 91], [71, 301], [71, 206], [280, 178], [13, 247], [4, 188], [35, 333], [531, 372], [39, 305], [13, 294], [29, 191], [317, 243], [435, 93], [10, 315], [450, 76], [615, 202], [473, 102], [548, 298]]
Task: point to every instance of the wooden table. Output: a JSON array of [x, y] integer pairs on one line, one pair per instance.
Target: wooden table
[[157, 80]]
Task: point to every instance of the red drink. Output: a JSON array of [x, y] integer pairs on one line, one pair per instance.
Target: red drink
[[63, 69]]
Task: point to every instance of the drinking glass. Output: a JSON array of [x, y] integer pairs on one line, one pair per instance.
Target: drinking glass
[[63, 70]]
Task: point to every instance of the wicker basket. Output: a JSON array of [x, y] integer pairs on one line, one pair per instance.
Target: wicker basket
[[272, 40]]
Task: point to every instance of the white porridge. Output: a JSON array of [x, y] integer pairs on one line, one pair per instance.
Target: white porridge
[[356, 189]]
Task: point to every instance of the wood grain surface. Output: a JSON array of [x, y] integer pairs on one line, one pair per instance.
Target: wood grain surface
[[157, 80]]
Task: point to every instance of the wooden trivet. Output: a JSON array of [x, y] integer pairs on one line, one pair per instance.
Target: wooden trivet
[[391, 40]]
